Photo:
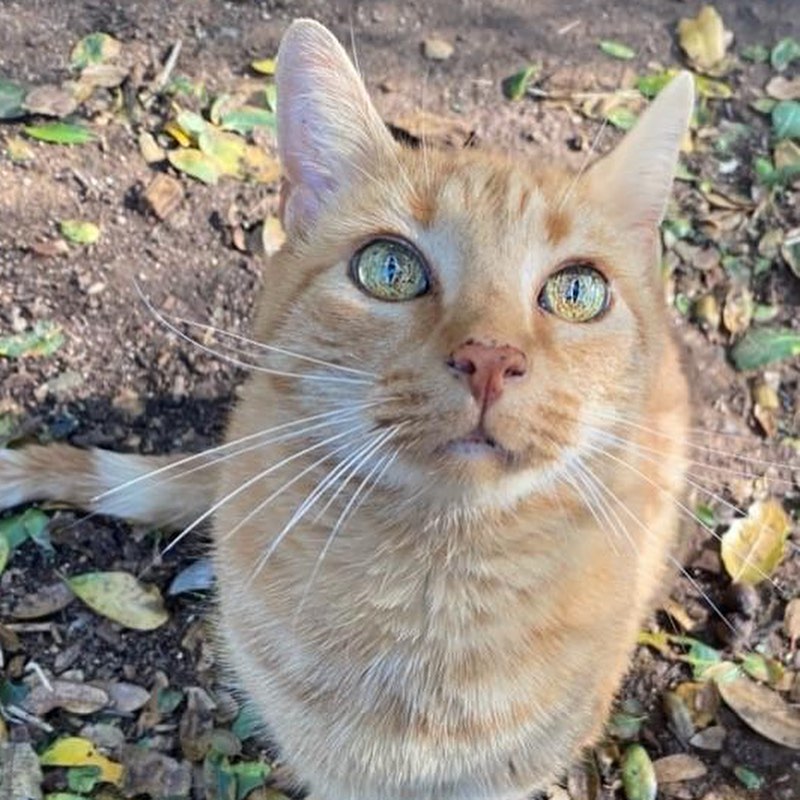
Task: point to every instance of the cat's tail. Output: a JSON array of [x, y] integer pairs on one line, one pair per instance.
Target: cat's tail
[[142, 489]]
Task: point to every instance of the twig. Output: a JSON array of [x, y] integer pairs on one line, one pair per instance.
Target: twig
[[172, 59]]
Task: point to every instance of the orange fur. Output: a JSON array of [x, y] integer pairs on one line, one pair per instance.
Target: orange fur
[[462, 632]]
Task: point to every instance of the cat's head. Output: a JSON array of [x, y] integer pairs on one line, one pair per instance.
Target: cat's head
[[481, 305]]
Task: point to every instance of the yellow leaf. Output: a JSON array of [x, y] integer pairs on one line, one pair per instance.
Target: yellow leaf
[[704, 38], [178, 133], [76, 752], [119, 596], [754, 546], [266, 66], [260, 165], [227, 150]]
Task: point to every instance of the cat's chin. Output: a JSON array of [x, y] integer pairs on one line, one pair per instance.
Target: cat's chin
[[475, 447]]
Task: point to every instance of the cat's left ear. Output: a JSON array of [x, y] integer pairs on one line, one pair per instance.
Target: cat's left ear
[[328, 130], [636, 178]]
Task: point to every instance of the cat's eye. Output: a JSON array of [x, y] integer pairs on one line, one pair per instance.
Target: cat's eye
[[577, 293], [389, 269]]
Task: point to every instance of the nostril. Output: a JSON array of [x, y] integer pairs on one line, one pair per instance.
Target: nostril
[[463, 365]]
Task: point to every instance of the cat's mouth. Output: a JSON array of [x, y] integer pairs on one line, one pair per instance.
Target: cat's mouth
[[477, 444]]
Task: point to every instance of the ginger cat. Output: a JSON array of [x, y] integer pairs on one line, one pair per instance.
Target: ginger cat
[[436, 532]]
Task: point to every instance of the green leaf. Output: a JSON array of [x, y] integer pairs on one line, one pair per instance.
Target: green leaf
[[761, 346], [786, 119], [700, 657], [784, 53], [45, 338], [94, 49], [122, 598], [60, 133], [514, 86], [5, 552], [64, 796], [12, 694], [246, 119], [763, 105], [192, 123], [706, 515], [749, 779], [638, 774], [651, 85], [11, 97], [247, 724], [617, 50], [249, 775], [226, 149], [757, 53], [79, 231], [763, 669], [195, 163], [83, 779], [621, 117]]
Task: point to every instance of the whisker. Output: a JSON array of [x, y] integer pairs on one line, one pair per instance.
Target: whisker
[[380, 468], [580, 173], [374, 443], [646, 528], [235, 361], [254, 479], [219, 448], [268, 347], [264, 503], [680, 505], [606, 416]]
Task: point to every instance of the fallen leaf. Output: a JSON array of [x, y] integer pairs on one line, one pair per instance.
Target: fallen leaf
[[622, 117], [712, 739], [784, 89], [704, 39], [50, 101], [753, 546], [79, 231], [122, 598], [18, 150], [763, 669], [436, 49], [226, 149], [103, 76], [638, 776], [784, 53], [43, 601], [791, 621], [272, 235], [126, 697], [429, 127], [197, 577], [148, 772], [756, 53], [74, 751], [94, 49], [45, 338], [761, 346], [77, 698], [265, 66], [763, 710], [5, 552], [245, 119], [12, 96], [515, 86], [678, 767], [617, 50], [786, 119], [164, 195], [20, 773], [60, 133], [196, 164], [737, 312], [751, 781], [178, 133], [151, 151]]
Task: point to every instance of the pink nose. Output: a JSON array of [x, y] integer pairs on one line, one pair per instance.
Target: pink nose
[[487, 368]]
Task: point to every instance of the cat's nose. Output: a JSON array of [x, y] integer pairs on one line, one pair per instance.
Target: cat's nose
[[486, 368]]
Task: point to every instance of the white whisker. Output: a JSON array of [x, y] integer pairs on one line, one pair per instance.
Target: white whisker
[[268, 347], [222, 447], [235, 361], [254, 479]]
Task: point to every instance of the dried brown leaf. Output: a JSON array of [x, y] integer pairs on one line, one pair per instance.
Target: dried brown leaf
[[679, 767]]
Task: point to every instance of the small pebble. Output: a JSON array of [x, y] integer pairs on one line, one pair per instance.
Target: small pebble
[[435, 49]]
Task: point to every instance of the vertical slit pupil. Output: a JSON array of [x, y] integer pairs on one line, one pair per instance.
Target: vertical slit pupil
[[574, 290]]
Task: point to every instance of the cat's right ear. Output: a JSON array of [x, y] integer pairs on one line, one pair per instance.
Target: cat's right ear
[[328, 130]]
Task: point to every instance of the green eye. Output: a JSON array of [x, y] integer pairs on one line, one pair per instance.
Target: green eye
[[577, 294], [389, 270]]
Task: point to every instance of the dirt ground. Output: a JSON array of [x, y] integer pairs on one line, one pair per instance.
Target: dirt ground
[[120, 381]]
